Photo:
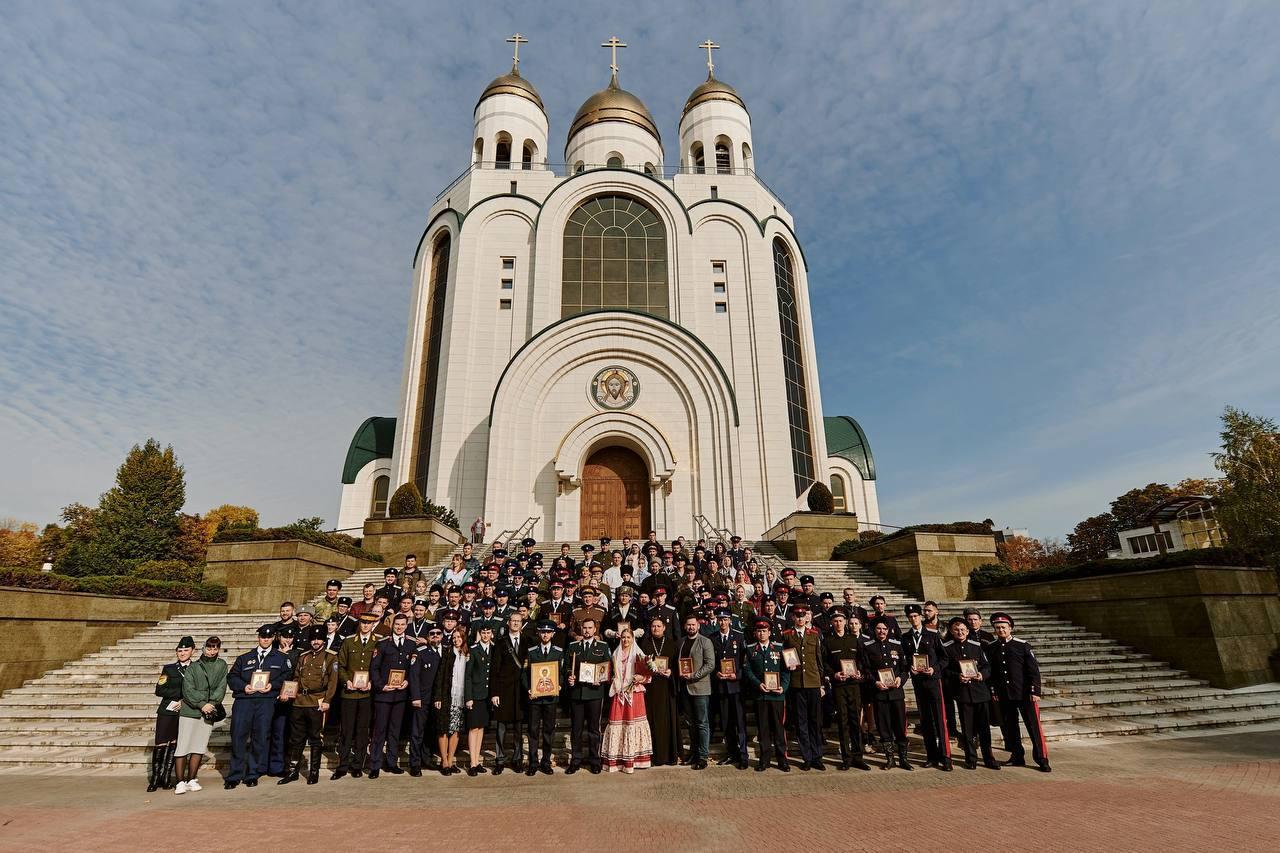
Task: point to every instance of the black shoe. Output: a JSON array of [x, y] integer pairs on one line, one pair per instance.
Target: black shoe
[[902, 759], [991, 763], [859, 763], [743, 765], [313, 777], [699, 765], [1015, 762], [395, 771], [784, 765], [571, 769], [531, 771], [471, 771], [227, 786], [818, 765], [337, 774], [945, 765], [151, 789], [415, 771], [480, 768], [595, 770], [517, 767], [251, 783], [728, 759], [373, 774], [356, 774], [1044, 767], [497, 770], [545, 769], [970, 763], [804, 765], [291, 777], [444, 771], [888, 759], [760, 766]]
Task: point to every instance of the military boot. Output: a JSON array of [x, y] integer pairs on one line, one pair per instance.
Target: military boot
[[902, 758], [313, 766], [888, 756], [290, 772]]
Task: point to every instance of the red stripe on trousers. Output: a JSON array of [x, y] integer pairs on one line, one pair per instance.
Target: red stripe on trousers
[[1044, 746], [942, 717]]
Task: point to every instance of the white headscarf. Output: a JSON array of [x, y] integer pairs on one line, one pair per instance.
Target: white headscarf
[[624, 670]]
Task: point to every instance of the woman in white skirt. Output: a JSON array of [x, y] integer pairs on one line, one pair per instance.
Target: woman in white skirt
[[203, 690]]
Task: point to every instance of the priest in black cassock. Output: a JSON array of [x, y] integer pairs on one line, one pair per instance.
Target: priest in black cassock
[[660, 693]]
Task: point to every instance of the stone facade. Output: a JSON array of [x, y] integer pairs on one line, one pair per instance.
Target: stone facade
[[811, 536], [428, 539], [1219, 623], [41, 629], [260, 575], [933, 566]]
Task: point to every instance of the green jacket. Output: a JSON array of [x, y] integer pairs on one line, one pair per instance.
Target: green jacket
[[353, 657], [205, 682]]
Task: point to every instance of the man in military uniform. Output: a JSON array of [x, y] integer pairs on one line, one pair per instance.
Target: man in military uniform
[[806, 595], [851, 607], [971, 692], [846, 688], [886, 668], [782, 599], [329, 604], [588, 610], [254, 705], [624, 613], [422, 682], [505, 606], [355, 656], [769, 610], [806, 687], [825, 610], [348, 624], [486, 617], [558, 610], [761, 657], [1015, 682], [877, 605], [390, 590], [737, 554], [923, 648], [586, 699], [726, 687], [286, 644], [542, 710], [389, 672], [317, 677]]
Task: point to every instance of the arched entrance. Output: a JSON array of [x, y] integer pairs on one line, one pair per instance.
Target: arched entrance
[[615, 495]]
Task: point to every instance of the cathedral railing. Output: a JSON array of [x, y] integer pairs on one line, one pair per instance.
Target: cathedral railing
[[564, 170]]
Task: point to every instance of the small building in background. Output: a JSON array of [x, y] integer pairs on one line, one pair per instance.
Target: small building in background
[[1177, 524]]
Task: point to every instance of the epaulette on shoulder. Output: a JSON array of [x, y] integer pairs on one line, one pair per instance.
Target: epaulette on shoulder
[[946, 643], [557, 648], [1017, 640], [868, 642], [974, 643], [895, 642]]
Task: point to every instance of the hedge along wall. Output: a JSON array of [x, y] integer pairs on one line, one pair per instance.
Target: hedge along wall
[[43, 629]]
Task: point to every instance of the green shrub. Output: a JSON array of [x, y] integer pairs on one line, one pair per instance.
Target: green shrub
[[337, 541], [999, 575], [820, 499], [114, 585], [443, 514], [869, 535], [168, 570], [407, 502]]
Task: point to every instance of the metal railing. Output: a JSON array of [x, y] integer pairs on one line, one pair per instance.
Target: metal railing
[[564, 170]]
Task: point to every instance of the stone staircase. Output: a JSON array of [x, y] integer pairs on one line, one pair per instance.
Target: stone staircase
[[1093, 686], [98, 712]]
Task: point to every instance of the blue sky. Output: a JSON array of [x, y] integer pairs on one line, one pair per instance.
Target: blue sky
[[1042, 237]]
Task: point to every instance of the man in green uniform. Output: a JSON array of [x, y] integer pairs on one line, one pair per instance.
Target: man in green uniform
[[316, 672], [356, 656], [765, 656], [586, 699], [846, 687]]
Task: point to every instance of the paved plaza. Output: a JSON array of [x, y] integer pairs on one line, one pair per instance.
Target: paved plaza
[[1219, 791]]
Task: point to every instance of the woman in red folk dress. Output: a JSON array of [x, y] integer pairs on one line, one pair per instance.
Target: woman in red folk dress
[[627, 742]]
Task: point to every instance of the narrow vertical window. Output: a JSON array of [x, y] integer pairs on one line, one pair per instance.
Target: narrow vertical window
[[378, 506], [793, 367], [430, 369], [699, 161]]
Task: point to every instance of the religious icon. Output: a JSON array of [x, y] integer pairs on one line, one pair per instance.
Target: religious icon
[[261, 680], [791, 658], [772, 681], [544, 679], [686, 667], [289, 690], [728, 668], [360, 679], [395, 678], [969, 668], [919, 662], [615, 388], [593, 673], [885, 676], [849, 667], [660, 664]]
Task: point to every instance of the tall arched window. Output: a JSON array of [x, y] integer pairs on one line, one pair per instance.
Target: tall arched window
[[746, 156], [615, 256], [839, 495], [614, 160], [793, 367], [526, 156], [479, 153], [723, 164], [502, 152], [699, 161], [430, 370], [381, 488]]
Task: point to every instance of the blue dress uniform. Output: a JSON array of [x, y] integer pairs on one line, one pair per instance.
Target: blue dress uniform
[[757, 660], [542, 710], [728, 693], [277, 763], [890, 705], [928, 690], [251, 712], [422, 682], [973, 697], [1015, 682], [393, 653]]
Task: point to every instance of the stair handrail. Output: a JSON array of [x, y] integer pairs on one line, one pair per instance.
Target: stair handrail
[[526, 528]]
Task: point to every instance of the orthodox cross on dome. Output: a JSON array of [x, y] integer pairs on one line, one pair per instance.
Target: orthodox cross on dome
[[709, 46], [517, 40], [613, 44]]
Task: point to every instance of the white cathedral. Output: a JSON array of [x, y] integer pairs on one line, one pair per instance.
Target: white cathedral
[[611, 345]]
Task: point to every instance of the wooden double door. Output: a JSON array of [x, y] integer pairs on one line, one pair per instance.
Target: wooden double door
[[615, 495]]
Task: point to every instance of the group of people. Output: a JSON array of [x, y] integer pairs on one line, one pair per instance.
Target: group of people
[[647, 656]]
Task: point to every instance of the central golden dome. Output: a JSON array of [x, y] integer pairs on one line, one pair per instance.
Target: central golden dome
[[513, 84], [614, 104]]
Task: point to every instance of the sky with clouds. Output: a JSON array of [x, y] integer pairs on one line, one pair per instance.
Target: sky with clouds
[[1042, 237]]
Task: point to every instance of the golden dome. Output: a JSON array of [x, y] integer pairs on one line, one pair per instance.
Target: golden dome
[[513, 84], [614, 104], [712, 90]]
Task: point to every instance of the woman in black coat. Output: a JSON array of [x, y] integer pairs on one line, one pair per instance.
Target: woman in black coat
[[450, 703], [477, 698]]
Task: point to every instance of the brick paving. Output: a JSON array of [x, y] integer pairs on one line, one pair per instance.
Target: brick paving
[[1210, 792]]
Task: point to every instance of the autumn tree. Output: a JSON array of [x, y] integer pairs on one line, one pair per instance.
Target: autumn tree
[[19, 545], [1020, 553], [1248, 503], [230, 516], [1092, 537]]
